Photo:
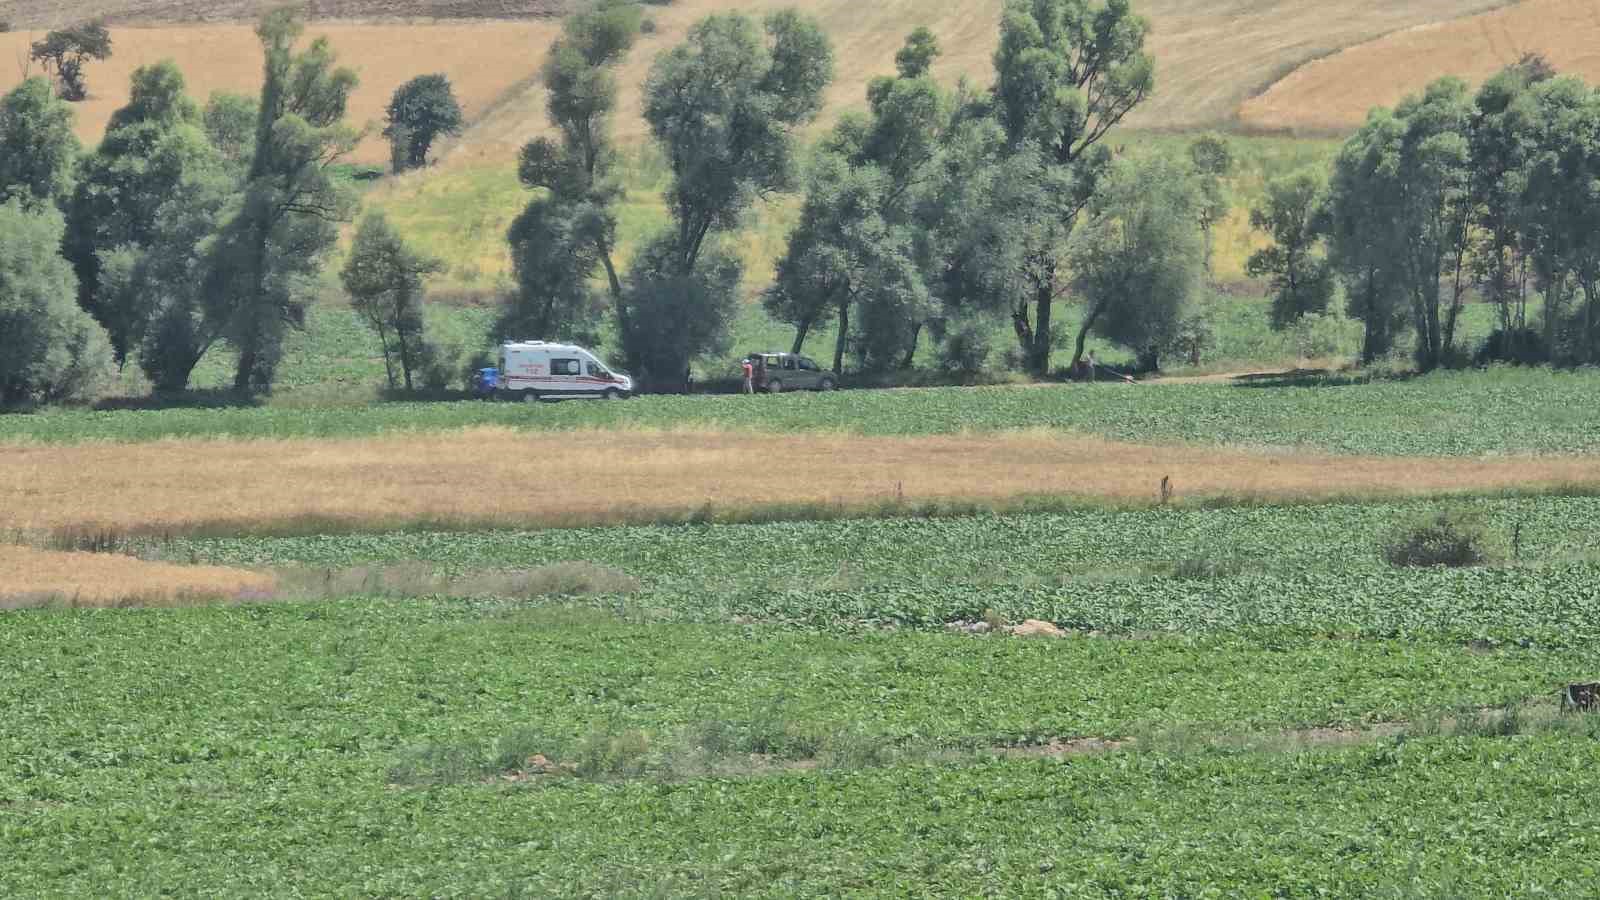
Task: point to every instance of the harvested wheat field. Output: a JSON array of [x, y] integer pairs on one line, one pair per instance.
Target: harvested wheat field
[[482, 59], [1334, 94], [489, 477], [33, 577], [1209, 57], [47, 14]]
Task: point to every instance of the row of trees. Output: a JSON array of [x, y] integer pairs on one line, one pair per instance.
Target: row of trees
[[185, 227], [1450, 193], [190, 226], [936, 212]]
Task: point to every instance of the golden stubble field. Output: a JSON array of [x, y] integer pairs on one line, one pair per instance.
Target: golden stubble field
[[1334, 94], [482, 59], [492, 477], [1211, 57]]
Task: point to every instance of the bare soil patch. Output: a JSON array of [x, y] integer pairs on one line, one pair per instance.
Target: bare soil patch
[[500, 477], [30, 577], [1334, 94]]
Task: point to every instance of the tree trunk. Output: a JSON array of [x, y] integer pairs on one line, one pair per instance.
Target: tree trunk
[[801, 329], [1039, 358], [1149, 360], [838, 344], [911, 351]]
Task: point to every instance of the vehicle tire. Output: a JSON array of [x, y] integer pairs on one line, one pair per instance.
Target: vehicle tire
[[774, 386], [826, 385], [613, 394], [530, 396]]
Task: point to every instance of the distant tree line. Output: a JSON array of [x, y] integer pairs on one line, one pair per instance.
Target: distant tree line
[[1450, 194], [929, 219]]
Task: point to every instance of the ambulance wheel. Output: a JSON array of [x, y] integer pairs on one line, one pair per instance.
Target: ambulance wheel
[[613, 394], [530, 396]]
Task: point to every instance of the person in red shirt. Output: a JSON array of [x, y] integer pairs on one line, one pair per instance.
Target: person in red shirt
[[749, 377]]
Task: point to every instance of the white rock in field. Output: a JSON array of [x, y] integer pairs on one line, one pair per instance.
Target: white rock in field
[[1036, 628]]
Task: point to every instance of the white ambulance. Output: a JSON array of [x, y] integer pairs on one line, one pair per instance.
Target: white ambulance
[[531, 370]]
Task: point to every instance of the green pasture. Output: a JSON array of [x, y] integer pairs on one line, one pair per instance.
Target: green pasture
[[1443, 414]]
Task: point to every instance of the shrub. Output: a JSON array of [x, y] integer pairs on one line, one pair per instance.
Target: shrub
[[50, 349], [1522, 346], [647, 26], [1442, 539]]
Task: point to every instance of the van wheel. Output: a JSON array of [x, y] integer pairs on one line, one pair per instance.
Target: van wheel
[[774, 386], [826, 385], [530, 396], [613, 394]]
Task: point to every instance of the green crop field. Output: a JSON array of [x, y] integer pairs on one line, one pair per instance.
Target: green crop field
[[1444, 414]]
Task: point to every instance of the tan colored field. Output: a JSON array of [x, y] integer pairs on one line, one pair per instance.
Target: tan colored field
[[517, 478], [482, 59], [1210, 57], [1334, 94], [29, 576]]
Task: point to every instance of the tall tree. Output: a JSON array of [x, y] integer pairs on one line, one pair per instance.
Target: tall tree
[[1067, 71], [1213, 163], [149, 146], [1139, 259], [273, 246], [421, 110], [1293, 215], [49, 348], [570, 227], [384, 278], [1365, 228], [230, 122], [724, 106], [857, 243], [37, 146], [64, 53], [1563, 194], [1504, 133]]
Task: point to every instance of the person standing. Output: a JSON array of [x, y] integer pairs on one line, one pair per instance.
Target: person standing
[[1094, 374], [749, 376]]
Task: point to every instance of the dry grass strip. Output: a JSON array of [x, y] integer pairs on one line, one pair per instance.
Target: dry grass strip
[[30, 577], [501, 477], [1334, 94]]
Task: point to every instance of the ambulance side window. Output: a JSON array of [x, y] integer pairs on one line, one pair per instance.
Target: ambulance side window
[[563, 367]]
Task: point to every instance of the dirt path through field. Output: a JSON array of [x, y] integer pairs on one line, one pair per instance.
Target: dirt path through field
[[499, 477]]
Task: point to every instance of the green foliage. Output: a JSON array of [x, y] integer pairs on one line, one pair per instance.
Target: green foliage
[[272, 247], [152, 154], [37, 146], [1443, 538], [50, 350], [384, 278], [65, 52], [1138, 260], [1450, 414], [564, 234], [420, 111], [230, 123], [1293, 216], [671, 316], [1066, 73], [724, 106]]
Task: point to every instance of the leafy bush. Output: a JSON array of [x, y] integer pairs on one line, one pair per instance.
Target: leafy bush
[[1522, 346], [1444, 538], [50, 349]]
